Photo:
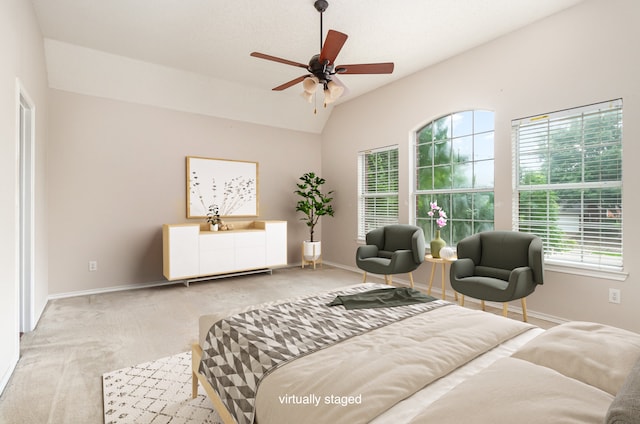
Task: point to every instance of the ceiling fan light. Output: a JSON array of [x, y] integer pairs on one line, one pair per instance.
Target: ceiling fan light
[[335, 90], [307, 96], [310, 84], [328, 98]]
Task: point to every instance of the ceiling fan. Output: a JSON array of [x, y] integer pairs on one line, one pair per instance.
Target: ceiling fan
[[322, 69]]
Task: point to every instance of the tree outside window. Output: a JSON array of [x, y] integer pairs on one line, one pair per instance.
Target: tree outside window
[[454, 165]]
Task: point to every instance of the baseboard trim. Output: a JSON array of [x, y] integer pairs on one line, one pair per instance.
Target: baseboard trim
[[150, 284], [7, 375], [113, 289]]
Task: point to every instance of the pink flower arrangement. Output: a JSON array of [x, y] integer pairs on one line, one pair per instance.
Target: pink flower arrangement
[[441, 220]]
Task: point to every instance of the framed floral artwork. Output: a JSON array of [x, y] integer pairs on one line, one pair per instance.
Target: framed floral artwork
[[229, 185]]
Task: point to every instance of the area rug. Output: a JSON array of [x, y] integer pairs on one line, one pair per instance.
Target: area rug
[[157, 392]]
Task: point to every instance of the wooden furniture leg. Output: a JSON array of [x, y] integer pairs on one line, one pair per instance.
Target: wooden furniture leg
[[433, 272], [194, 383], [482, 303], [411, 279], [364, 277], [444, 291], [524, 309], [505, 308], [461, 299]]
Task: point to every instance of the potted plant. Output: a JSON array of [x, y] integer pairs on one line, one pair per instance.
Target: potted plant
[[213, 217], [313, 204]]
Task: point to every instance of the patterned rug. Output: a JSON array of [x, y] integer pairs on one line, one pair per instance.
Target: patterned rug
[[157, 392]]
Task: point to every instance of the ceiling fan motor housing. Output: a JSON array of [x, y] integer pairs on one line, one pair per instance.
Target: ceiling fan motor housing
[[322, 71], [322, 66]]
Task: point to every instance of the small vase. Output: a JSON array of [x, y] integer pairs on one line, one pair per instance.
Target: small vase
[[436, 244], [213, 227]]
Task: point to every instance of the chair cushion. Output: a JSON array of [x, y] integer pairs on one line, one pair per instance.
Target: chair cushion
[[505, 249], [486, 288], [385, 254], [375, 265], [398, 237], [485, 271]]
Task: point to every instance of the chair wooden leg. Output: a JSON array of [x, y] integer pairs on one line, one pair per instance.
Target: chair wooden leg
[[364, 277], [390, 280], [524, 309], [505, 309], [411, 279], [461, 299], [482, 303]]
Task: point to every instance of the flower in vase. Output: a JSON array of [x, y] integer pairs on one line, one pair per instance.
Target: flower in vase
[[437, 212]]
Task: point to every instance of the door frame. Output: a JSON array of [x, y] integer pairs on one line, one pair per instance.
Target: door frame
[[26, 116]]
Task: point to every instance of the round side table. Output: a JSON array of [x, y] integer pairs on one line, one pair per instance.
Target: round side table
[[443, 264]]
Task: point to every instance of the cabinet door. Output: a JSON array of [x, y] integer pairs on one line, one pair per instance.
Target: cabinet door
[[276, 243], [250, 250], [217, 253], [180, 251]]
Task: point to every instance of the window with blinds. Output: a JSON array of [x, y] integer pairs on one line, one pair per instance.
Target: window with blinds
[[377, 189], [569, 183]]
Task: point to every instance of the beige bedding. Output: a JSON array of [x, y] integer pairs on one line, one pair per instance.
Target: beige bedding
[[517, 391], [568, 374], [596, 354], [358, 379]]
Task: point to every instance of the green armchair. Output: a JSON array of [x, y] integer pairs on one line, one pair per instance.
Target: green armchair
[[498, 266], [392, 249]]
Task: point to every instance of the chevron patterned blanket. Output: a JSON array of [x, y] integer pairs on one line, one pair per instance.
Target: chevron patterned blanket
[[242, 349]]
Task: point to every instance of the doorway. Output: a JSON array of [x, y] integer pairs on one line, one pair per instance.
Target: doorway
[[26, 211]]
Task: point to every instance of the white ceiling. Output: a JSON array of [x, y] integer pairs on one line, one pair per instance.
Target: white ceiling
[[212, 39]]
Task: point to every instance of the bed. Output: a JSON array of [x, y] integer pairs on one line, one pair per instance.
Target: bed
[[435, 362]]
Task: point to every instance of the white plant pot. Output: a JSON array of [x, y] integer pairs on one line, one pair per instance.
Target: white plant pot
[[312, 250], [213, 227]]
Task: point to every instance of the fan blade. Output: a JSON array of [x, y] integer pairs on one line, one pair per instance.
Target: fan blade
[[278, 59], [290, 83], [365, 68], [332, 46]]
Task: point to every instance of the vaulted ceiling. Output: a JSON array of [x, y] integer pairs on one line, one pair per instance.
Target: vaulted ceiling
[[201, 47]]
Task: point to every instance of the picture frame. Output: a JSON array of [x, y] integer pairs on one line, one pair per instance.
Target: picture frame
[[231, 185]]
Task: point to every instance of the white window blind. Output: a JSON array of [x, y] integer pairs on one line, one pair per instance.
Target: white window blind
[[569, 183], [377, 189]]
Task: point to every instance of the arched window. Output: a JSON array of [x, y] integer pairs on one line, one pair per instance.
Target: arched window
[[454, 167]]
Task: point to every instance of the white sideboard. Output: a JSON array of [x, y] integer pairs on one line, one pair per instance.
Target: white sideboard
[[191, 251]]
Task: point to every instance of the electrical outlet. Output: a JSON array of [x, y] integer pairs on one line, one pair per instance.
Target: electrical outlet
[[93, 266], [614, 295]]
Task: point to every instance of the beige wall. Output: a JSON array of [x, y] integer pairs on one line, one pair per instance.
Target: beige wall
[[584, 55], [116, 173], [21, 56]]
